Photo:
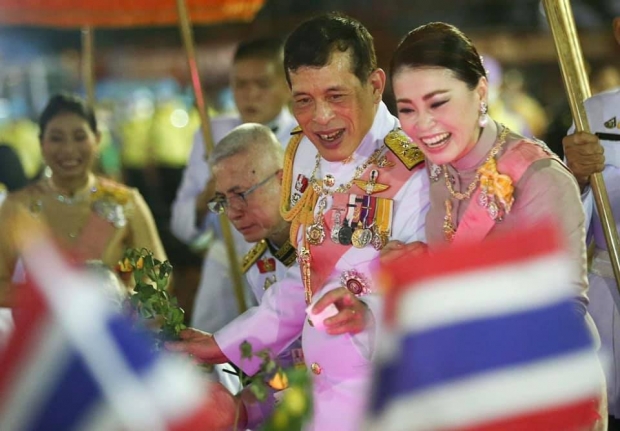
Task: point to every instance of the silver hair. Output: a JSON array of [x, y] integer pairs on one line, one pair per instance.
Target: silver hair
[[252, 138]]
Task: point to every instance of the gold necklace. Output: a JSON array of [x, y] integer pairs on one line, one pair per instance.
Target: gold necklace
[[80, 196], [315, 232], [472, 186], [449, 228]]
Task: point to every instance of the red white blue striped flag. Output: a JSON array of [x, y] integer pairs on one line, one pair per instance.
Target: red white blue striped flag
[[486, 337], [75, 363]]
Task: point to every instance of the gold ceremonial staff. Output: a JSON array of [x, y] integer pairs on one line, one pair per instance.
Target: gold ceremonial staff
[[188, 41], [88, 64], [562, 24]]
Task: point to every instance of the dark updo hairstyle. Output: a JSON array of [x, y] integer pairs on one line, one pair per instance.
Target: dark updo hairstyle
[[313, 42], [438, 44], [66, 103]]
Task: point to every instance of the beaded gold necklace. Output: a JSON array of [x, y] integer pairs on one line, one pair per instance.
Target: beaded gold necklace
[[496, 189]]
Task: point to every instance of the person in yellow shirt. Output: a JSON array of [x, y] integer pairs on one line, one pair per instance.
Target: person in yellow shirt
[[22, 135]]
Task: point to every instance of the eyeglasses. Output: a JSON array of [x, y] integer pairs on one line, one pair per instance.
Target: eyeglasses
[[220, 203]]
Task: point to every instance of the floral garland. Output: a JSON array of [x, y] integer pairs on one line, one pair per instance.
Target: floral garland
[[108, 202], [496, 190]]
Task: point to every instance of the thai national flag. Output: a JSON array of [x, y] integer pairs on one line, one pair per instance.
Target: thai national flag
[[75, 363], [486, 337]]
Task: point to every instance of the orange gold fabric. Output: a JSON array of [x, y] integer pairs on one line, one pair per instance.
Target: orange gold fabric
[[122, 13]]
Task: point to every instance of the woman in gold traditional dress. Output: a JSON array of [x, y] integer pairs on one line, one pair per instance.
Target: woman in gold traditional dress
[[92, 218]]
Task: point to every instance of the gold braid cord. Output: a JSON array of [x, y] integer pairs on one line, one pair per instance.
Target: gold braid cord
[[303, 211]]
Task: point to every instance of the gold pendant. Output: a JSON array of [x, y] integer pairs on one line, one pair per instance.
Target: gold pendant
[[315, 234], [361, 238], [449, 230]]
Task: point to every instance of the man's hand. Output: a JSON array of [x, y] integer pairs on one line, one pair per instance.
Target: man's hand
[[220, 410], [584, 156], [351, 317], [200, 345], [396, 249]]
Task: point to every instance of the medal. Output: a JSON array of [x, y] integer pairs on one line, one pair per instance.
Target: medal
[[361, 238], [344, 235], [379, 240], [315, 233], [371, 186], [355, 282], [269, 281], [336, 228], [266, 265], [329, 180], [301, 184]]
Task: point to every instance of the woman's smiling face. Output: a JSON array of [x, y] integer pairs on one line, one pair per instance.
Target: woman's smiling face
[[438, 111], [69, 146]]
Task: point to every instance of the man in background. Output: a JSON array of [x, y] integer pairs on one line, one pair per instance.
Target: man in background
[[587, 154]]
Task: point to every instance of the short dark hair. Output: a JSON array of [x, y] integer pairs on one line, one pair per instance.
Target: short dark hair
[[267, 48], [313, 42], [439, 45], [66, 103]]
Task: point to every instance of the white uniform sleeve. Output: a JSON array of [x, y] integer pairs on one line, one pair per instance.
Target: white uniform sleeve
[[274, 324], [183, 222]]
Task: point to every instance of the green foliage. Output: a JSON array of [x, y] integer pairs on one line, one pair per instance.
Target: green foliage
[[150, 300], [295, 394]]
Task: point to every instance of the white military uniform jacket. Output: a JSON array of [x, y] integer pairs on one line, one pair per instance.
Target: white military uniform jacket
[[604, 117], [263, 266], [215, 304], [341, 364]]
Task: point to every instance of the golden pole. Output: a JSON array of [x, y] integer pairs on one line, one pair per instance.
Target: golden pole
[[188, 42], [562, 24], [88, 64]]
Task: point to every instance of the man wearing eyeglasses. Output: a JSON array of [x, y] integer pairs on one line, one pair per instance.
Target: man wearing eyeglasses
[[247, 168], [261, 96]]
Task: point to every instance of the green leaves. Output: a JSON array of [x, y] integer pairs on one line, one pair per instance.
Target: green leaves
[[150, 300], [246, 350], [295, 406]]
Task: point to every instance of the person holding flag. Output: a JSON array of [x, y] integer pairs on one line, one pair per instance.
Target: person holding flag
[[587, 154]]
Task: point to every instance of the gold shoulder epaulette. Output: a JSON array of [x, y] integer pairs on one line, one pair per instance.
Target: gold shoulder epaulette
[[296, 130], [253, 255], [403, 148]]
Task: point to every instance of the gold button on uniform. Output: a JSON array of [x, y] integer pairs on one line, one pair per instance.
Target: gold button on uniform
[[316, 368]]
